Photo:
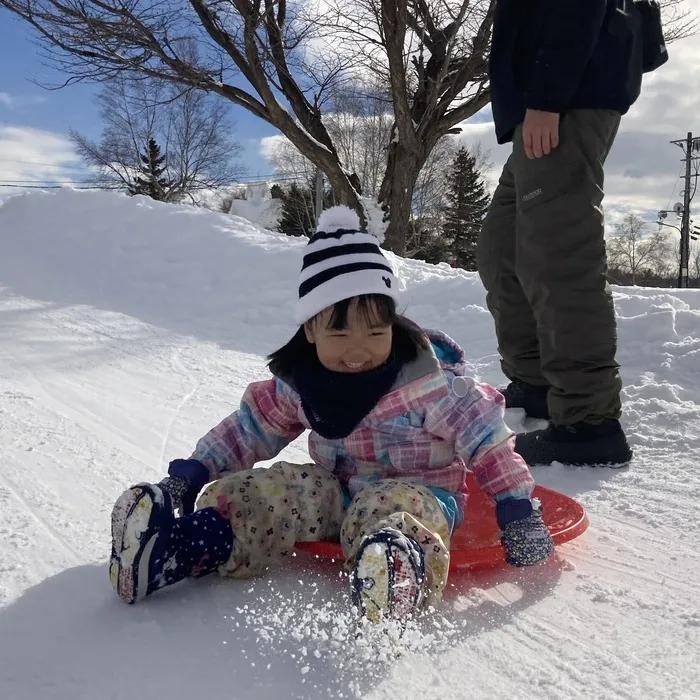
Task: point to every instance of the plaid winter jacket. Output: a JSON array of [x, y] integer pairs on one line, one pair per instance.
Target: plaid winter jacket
[[433, 425]]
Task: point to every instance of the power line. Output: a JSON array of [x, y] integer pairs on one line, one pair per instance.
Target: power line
[[675, 184], [53, 182], [52, 187], [289, 176], [48, 165], [109, 182]]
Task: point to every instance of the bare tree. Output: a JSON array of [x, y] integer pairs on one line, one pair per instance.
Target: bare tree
[[192, 128], [201, 151], [428, 197], [361, 136], [269, 57], [679, 21], [432, 56], [361, 129], [361, 126], [282, 61], [288, 163], [635, 251], [126, 132]]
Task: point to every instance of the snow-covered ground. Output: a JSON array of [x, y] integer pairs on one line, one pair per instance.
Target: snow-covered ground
[[128, 328]]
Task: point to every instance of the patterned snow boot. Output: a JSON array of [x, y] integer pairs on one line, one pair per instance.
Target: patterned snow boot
[[152, 549], [389, 576]]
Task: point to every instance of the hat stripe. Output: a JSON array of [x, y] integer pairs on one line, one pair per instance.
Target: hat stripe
[[316, 244], [321, 235], [345, 260], [332, 272], [346, 249]]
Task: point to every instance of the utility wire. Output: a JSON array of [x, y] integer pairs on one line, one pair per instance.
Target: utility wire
[[54, 182], [55, 187], [48, 165], [675, 184]]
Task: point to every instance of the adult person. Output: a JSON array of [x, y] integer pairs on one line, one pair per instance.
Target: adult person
[[562, 75]]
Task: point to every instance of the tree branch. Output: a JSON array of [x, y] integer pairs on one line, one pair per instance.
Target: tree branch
[[394, 21]]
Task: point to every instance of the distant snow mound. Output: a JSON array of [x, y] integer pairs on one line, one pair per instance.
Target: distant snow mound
[[258, 206]]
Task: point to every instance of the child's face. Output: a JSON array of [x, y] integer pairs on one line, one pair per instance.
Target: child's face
[[363, 345]]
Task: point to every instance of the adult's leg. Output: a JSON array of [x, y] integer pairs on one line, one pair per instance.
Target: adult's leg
[[561, 263], [516, 329]]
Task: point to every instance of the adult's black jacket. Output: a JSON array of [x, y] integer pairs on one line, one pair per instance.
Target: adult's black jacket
[[558, 55]]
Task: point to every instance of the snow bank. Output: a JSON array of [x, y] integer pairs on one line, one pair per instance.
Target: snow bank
[[196, 272], [190, 270]]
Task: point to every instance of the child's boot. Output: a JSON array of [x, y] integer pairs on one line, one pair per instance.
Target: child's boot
[[389, 576], [152, 549]]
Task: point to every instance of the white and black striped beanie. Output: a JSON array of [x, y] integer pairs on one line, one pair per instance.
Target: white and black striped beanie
[[341, 262]]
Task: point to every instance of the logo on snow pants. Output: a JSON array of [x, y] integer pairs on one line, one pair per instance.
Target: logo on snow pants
[[532, 195]]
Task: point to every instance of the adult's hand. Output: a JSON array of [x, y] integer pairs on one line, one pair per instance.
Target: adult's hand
[[540, 133]]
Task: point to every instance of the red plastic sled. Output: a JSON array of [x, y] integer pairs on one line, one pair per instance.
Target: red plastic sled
[[476, 542]]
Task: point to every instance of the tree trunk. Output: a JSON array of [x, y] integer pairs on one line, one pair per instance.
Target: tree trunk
[[396, 193], [344, 191]]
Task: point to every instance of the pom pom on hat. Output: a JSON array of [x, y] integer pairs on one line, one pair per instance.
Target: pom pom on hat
[[341, 262], [338, 218]]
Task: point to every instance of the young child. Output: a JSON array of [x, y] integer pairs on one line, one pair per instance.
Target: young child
[[395, 425]]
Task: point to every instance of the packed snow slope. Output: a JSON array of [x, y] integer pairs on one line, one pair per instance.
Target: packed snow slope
[[128, 328]]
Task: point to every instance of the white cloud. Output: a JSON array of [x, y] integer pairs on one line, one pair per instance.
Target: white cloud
[[18, 101], [32, 155], [269, 144]]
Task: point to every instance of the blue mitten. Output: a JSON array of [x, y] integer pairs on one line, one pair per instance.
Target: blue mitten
[[186, 479], [523, 533]]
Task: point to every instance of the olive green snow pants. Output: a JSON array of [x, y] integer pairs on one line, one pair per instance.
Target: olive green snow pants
[[541, 257]]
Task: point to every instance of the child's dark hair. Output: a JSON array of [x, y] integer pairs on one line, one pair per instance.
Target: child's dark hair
[[375, 308]]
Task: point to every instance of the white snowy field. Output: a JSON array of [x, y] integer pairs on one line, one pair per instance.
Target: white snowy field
[[128, 328]]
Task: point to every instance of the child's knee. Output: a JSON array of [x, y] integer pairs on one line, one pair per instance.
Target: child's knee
[[261, 507], [270, 509], [319, 500], [378, 501], [411, 509]]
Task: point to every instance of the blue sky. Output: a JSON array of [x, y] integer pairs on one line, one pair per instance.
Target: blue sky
[[33, 106], [641, 172], [26, 105]]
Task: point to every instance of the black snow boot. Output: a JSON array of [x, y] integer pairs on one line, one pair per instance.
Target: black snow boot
[[533, 399], [581, 444], [152, 549]]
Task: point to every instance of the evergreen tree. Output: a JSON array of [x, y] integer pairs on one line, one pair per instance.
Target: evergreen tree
[[152, 167], [465, 209], [426, 242], [298, 210]]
